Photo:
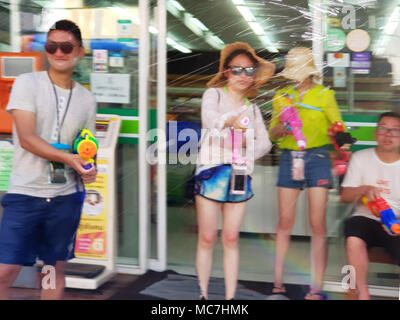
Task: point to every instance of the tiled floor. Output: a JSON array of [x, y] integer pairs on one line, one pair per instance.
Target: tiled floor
[[102, 293], [257, 255]]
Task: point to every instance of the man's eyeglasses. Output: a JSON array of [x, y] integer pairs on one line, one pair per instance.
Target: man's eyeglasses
[[237, 71], [65, 47], [384, 130]]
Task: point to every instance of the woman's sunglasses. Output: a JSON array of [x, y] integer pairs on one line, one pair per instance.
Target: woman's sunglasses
[[65, 47], [237, 71]]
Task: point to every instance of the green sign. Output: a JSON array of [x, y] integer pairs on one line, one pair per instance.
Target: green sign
[[6, 157], [335, 39]]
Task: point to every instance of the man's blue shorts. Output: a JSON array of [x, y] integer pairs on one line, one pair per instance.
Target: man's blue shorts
[[215, 184], [33, 227], [317, 170]]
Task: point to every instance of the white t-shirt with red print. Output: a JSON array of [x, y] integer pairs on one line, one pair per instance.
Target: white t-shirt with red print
[[365, 168]]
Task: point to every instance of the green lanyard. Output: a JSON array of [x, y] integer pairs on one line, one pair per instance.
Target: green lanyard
[[245, 98]]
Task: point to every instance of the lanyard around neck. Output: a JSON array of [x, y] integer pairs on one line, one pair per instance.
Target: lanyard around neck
[[245, 98], [60, 123]]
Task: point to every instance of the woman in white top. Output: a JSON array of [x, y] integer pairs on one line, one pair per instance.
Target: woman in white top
[[226, 109]]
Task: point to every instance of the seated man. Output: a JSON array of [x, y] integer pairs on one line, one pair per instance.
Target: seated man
[[373, 173]]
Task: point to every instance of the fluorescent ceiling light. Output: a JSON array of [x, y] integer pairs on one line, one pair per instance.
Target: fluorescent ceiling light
[[215, 42], [238, 2], [198, 23], [246, 13], [178, 46], [177, 5], [258, 30], [268, 44], [393, 22]]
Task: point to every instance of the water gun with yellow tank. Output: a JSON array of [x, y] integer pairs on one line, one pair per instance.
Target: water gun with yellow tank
[[86, 146]]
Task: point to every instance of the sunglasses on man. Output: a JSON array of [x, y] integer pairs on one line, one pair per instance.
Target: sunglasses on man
[[237, 71], [383, 130], [65, 47]]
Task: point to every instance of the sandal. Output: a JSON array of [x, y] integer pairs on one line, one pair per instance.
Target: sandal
[[315, 295], [278, 289]]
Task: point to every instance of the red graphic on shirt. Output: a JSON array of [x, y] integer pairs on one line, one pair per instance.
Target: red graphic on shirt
[[384, 186]]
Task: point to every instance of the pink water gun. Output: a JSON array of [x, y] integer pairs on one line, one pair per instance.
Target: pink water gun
[[291, 119]]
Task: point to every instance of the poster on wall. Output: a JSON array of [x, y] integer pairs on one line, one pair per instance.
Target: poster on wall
[[91, 238], [111, 87], [100, 60], [361, 62], [6, 157]]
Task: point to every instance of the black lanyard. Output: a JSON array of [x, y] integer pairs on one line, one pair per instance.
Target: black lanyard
[[60, 124]]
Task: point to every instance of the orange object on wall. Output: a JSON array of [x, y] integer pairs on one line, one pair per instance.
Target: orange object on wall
[[13, 64]]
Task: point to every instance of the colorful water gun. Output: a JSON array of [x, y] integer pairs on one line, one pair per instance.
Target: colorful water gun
[[291, 119], [86, 146], [382, 210], [342, 141]]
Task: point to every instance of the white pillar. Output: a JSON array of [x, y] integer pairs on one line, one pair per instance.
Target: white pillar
[[144, 178], [161, 125], [318, 34], [15, 26]]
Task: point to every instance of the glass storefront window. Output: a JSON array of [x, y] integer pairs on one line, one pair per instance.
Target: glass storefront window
[[358, 61], [355, 46]]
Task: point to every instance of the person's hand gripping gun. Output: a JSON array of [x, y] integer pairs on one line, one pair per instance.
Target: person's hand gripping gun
[[86, 146], [382, 210]]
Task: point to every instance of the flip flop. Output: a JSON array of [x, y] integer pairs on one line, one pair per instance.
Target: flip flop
[[315, 295], [278, 289]]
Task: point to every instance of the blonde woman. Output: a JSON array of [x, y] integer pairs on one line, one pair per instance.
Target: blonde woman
[[225, 106], [318, 110]]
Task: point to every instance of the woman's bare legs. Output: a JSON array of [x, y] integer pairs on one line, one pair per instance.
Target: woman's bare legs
[[233, 214], [287, 215], [317, 201], [207, 221]]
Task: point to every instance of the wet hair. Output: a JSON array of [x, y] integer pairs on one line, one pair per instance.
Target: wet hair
[[236, 53], [390, 114], [69, 26]]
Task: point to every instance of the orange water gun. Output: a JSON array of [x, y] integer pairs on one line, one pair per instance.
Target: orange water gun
[[382, 210], [86, 146]]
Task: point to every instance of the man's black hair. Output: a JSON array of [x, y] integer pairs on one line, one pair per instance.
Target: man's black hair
[[69, 26], [391, 114]]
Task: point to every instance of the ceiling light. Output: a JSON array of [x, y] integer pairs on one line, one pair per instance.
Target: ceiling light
[[246, 13], [198, 23], [215, 42], [393, 22], [238, 2], [177, 5], [268, 44], [258, 30], [178, 46]]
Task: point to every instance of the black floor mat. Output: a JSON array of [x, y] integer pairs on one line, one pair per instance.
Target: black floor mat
[[169, 285]]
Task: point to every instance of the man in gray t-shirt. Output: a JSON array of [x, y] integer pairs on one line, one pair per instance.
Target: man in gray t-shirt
[[42, 210]]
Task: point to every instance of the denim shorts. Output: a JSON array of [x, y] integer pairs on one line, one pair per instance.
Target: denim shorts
[[317, 170], [215, 183], [33, 227]]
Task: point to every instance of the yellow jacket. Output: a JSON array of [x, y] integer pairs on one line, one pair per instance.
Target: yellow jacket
[[315, 123]]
